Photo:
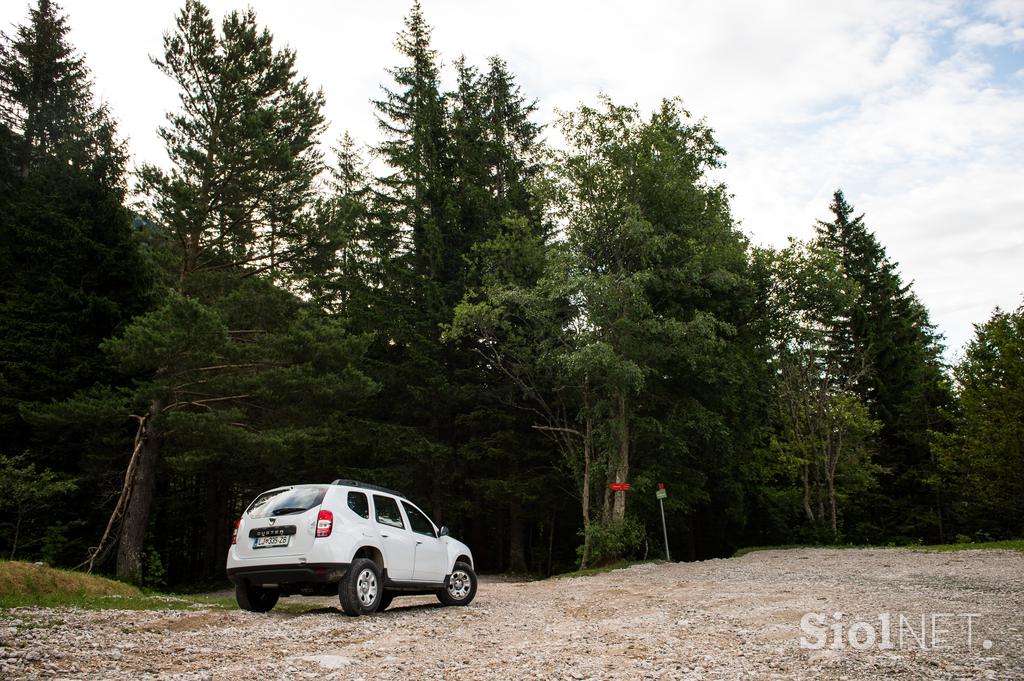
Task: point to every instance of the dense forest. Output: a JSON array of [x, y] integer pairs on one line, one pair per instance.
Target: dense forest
[[497, 326]]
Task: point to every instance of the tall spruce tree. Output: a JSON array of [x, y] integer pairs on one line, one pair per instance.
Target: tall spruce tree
[[414, 205], [45, 89], [889, 331], [495, 150], [71, 274], [459, 168]]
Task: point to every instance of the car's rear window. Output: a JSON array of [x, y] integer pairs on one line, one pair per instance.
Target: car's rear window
[[287, 501], [359, 505]]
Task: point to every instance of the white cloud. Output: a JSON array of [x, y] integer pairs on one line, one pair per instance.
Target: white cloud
[[989, 34]]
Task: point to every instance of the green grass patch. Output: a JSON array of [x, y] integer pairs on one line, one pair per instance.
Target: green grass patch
[[28, 579], [587, 572], [1006, 545], [29, 585], [780, 547]]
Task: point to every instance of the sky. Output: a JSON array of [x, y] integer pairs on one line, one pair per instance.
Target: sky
[[914, 108]]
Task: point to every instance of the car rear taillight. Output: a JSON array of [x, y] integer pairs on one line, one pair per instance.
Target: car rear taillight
[[324, 523], [234, 535]]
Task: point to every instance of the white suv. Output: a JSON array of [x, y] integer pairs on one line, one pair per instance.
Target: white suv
[[365, 543]]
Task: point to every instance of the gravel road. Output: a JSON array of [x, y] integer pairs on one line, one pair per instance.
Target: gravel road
[[728, 619]]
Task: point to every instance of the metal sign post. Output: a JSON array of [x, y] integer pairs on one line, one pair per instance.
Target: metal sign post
[[661, 494]]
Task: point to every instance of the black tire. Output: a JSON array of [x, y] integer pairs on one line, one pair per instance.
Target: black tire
[[256, 598], [361, 589], [385, 601], [461, 586]]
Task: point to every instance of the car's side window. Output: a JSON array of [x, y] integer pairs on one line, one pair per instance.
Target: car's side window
[[359, 505], [387, 511], [417, 521]]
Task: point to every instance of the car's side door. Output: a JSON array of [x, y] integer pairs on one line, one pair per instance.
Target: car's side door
[[397, 542], [431, 553]]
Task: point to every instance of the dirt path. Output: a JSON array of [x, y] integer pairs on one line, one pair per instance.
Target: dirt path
[[736, 618]]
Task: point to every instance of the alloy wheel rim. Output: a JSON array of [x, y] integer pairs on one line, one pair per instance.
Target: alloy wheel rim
[[366, 587], [459, 585]]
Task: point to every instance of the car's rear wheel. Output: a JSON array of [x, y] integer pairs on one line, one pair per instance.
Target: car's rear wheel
[[461, 586], [255, 598], [362, 588]]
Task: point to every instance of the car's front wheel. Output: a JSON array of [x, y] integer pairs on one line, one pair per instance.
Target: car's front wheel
[[461, 586], [361, 589], [255, 598]]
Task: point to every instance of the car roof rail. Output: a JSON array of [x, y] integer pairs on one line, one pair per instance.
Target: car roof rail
[[366, 485]]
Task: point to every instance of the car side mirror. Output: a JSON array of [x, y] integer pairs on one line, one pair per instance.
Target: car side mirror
[[443, 532]]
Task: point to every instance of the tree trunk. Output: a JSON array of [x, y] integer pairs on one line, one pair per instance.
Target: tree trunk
[[818, 491], [622, 465], [214, 553], [136, 517], [551, 544], [17, 532], [832, 506], [834, 453], [585, 501], [606, 495], [807, 494], [516, 552]]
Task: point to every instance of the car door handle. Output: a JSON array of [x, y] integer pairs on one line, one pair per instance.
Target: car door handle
[[384, 535], [418, 542]]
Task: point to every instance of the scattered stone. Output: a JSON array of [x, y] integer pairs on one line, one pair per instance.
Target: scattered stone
[[737, 618]]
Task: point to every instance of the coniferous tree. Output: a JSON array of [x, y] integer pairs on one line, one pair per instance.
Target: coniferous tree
[[44, 85], [889, 331], [459, 166], [70, 271], [495, 148], [982, 457], [230, 361], [903, 383]]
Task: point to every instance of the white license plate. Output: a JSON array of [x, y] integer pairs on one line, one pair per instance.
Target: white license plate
[[265, 542]]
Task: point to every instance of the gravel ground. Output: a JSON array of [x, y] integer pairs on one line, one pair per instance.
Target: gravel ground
[[729, 619]]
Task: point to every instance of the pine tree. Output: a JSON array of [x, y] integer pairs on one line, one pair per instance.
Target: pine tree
[[242, 148], [231, 361], [44, 84]]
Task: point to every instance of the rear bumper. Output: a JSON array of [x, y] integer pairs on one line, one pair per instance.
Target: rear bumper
[[290, 573]]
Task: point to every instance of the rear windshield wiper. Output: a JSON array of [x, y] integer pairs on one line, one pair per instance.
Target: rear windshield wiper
[[287, 510]]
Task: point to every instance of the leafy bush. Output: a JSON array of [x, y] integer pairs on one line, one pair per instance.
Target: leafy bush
[[612, 541], [24, 494], [154, 575]]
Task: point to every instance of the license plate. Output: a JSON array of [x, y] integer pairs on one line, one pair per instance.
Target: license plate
[[266, 542]]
